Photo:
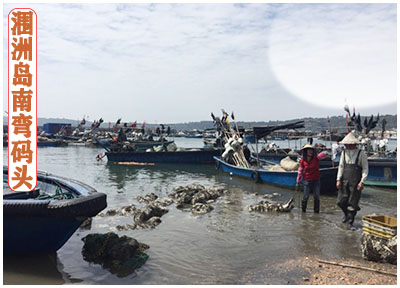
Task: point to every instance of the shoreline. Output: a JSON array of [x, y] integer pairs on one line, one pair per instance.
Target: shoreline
[[312, 271]]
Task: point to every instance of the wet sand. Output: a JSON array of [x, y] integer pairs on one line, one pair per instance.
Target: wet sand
[[310, 271]]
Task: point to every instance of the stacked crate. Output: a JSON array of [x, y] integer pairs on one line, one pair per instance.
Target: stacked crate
[[381, 226]]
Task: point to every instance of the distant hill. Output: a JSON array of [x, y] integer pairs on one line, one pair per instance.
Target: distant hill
[[311, 124]]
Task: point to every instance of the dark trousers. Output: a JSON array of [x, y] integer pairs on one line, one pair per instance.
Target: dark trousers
[[314, 188], [348, 194]]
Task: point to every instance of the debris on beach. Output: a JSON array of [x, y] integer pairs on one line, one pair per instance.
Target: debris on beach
[[266, 206], [128, 210], [119, 255], [147, 198], [154, 200], [379, 249], [201, 208], [196, 197], [87, 224], [126, 227], [149, 216], [267, 196]]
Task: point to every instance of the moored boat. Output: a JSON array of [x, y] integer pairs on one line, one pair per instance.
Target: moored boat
[[139, 144], [381, 171], [276, 156], [42, 221], [283, 179], [180, 156]]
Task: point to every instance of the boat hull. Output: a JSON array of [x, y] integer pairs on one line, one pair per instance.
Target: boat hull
[[283, 179], [195, 156], [382, 171], [26, 234], [141, 145], [34, 225]]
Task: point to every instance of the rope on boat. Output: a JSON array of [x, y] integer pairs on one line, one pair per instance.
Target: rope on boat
[[59, 195]]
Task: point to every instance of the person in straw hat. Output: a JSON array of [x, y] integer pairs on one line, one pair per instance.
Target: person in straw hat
[[309, 172], [352, 173]]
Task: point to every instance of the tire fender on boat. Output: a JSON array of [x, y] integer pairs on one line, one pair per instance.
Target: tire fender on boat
[[255, 175], [217, 164]]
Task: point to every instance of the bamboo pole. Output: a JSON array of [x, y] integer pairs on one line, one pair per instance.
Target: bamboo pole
[[330, 139], [258, 157], [238, 157], [357, 267]]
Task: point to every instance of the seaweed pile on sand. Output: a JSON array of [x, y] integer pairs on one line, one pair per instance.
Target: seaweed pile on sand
[[379, 249], [148, 216], [119, 255], [196, 197], [267, 206]]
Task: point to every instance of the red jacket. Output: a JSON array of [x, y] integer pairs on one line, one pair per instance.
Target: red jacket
[[310, 170]]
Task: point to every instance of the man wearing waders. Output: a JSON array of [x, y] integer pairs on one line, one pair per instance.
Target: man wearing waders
[[352, 173]]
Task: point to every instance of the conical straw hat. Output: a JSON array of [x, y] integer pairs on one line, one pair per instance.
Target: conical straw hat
[[350, 139], [307, 146]]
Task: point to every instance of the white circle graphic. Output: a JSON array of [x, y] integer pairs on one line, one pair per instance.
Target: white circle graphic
[[329, 58]]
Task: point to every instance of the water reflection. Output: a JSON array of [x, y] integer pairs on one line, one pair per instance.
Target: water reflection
[[32, 270], [120, 174], [218, 247]]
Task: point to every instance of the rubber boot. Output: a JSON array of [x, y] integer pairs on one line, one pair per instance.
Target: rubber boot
[[303, 205], [316, 206], [352, 215], [345, 217]]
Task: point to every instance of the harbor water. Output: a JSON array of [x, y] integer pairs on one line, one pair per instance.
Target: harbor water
[[221, 247]]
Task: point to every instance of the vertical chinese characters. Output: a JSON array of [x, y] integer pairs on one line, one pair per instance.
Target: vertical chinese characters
[[22, 99]]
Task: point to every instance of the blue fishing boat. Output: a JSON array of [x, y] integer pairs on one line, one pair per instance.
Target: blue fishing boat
[[53, 143], [50, 143], [250, 138], [42, 221], [139, 144], [200, 156], [382, 172], [283, 179], [275, 157]]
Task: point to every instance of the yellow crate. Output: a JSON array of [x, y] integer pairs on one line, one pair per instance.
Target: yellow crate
[[374, 232], [381, 220]]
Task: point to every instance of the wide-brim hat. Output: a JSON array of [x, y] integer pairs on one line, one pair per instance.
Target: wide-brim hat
[[350, 139], [307, 146]]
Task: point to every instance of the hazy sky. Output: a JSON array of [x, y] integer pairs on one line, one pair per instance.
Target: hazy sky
[[179, 62]]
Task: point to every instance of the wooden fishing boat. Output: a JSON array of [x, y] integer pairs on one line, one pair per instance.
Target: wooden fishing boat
[[381, 171], [201, 155], [283, 179], [139, 144], [42, 221], [276, 156], [250, 138]]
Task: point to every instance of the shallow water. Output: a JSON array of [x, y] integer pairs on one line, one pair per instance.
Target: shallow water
[[220, 247]]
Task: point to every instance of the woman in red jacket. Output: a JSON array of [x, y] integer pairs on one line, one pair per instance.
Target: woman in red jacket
[[309, 172]]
